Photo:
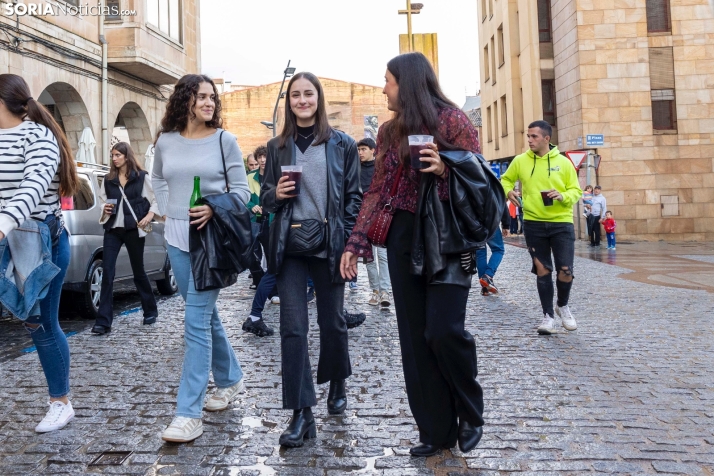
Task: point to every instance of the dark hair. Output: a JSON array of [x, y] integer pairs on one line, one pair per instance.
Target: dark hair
[[598, 187], [367, 142], [15, 93], [131, 164], [260, 150], [588, 187], [543, 126], [323, 130], [610, 212], [181, 102], [420, 98]]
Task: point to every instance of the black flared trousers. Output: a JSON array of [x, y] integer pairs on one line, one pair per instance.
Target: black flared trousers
[[438, 354]]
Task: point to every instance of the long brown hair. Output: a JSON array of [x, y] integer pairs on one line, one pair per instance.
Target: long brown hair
[[323, 130], [131, 163], [420, 98], [180, 107], [15, 93]]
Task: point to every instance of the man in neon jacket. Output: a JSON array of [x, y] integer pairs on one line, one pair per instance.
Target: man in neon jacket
[[549, 188]]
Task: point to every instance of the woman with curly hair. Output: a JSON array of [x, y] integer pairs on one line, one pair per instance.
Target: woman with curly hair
[[188, 146]]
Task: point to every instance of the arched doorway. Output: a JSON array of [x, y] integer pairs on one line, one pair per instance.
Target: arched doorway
[[131, 124], [68, 108]]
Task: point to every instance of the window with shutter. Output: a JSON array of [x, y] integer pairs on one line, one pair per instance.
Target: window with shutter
[[548, 87], [664, 103], [486, 62], [544, 27], [658, 16], [501, 53], [114, 7]]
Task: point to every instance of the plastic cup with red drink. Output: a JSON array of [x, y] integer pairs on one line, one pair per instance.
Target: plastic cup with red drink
[[418, 143], [294, 174]]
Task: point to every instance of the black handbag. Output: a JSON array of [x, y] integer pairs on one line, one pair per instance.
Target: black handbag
[[306, 238]]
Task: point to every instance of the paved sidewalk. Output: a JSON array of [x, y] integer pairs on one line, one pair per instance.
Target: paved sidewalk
[[631, 391]]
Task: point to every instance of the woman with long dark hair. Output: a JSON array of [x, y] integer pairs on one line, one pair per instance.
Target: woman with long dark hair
[[120, 228], [438, 354], [307, 237], [37, 168], [192, 144]]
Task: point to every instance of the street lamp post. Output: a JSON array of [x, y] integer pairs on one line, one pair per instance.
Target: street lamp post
[[273, 125]]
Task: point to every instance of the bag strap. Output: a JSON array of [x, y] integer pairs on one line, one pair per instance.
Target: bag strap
[[223, 158], [121, 189]]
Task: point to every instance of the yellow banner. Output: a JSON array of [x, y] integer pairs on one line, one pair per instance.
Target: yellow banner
[[425, 43]]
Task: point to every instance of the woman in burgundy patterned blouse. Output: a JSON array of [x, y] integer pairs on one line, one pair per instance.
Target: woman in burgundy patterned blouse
[[438, 354]]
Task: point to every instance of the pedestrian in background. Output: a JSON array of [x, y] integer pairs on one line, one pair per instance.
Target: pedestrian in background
[[259, 221], [487, 268], [125, 178], [191, 129], [251, 163], [37, 168], [307, 238], [587, 206], [610, 224], [597, 215], [377, 270], [438, 354], [550, 189]]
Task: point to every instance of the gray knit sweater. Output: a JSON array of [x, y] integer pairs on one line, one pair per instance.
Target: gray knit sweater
[[177, 160]]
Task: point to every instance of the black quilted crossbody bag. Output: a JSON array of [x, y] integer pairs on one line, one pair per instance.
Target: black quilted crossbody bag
[[306, 238]]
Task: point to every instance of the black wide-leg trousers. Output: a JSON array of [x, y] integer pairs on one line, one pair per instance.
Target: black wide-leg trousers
[[438, 354]]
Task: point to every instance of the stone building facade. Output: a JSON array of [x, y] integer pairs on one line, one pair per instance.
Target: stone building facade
[[347, 105], [640, 73], [60, 57]]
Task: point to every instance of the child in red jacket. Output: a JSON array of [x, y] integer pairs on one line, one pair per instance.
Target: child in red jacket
[[609, 223]]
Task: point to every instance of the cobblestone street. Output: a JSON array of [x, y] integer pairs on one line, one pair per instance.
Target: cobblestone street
[[631, 391]]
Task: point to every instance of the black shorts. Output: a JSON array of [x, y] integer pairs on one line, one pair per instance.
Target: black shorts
[[544, 238]]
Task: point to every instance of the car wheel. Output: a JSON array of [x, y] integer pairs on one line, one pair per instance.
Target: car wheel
[[167, 286], [89, 304]]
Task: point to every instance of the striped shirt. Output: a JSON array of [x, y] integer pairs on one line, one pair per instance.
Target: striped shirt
[[29, 182]]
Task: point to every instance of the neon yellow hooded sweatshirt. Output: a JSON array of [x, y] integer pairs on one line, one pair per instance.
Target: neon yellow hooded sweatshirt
[[552, 171]]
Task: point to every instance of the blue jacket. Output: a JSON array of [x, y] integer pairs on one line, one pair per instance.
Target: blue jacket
[[26, 268]]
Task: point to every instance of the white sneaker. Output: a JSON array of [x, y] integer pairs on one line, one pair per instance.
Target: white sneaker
[[183, 430], [547, 327], [384, 299], [567, 318], [223, 397], [275, 299], [374, 298], [57, 417]]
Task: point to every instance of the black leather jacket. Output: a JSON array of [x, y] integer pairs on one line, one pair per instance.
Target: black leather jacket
[[444, 230], [344, 198], [223, 248]]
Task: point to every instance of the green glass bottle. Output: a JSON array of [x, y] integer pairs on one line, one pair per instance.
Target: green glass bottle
[[196, 195]]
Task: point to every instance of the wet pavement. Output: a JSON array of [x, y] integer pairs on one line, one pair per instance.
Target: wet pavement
[[631, 391]]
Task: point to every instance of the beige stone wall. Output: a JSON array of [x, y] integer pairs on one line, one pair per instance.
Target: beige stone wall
[[74, 84], [517, 79], [347, 104], [603, 55]]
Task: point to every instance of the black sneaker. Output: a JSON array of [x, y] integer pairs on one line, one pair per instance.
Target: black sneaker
[[484, 292], [258, 328], [354, 320], [487, 282]]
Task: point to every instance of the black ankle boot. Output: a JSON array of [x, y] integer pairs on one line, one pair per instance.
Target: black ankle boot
[[468, 436], [302, 425], [337, 397]]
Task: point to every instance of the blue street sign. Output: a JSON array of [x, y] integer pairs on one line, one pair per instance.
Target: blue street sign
[[496, 169], [592, 140]]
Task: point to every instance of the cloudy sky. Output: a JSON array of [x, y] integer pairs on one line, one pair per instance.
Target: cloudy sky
[[250, 42]]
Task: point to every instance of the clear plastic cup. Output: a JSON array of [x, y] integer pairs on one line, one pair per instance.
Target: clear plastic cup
[[113, 203], [294, 174], [416, 145]]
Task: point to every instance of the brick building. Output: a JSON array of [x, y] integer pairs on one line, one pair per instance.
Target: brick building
[[347, 105], [639, 73]]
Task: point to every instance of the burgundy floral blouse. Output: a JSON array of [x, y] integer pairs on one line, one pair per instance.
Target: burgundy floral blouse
[[455, 128]]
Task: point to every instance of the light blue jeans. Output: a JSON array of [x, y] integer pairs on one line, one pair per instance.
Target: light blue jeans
[[490, 266], [378, 271], [207, 345]]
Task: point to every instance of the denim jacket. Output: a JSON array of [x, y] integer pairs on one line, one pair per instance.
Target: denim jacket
[[26, 268]]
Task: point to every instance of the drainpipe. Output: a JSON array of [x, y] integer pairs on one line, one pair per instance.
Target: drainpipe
[[105, 90]]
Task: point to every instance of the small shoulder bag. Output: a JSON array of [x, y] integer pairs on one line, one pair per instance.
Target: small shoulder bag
[[142, 231], [377, 234]]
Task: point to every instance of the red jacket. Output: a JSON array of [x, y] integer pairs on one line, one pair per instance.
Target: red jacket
[[609, 224]]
